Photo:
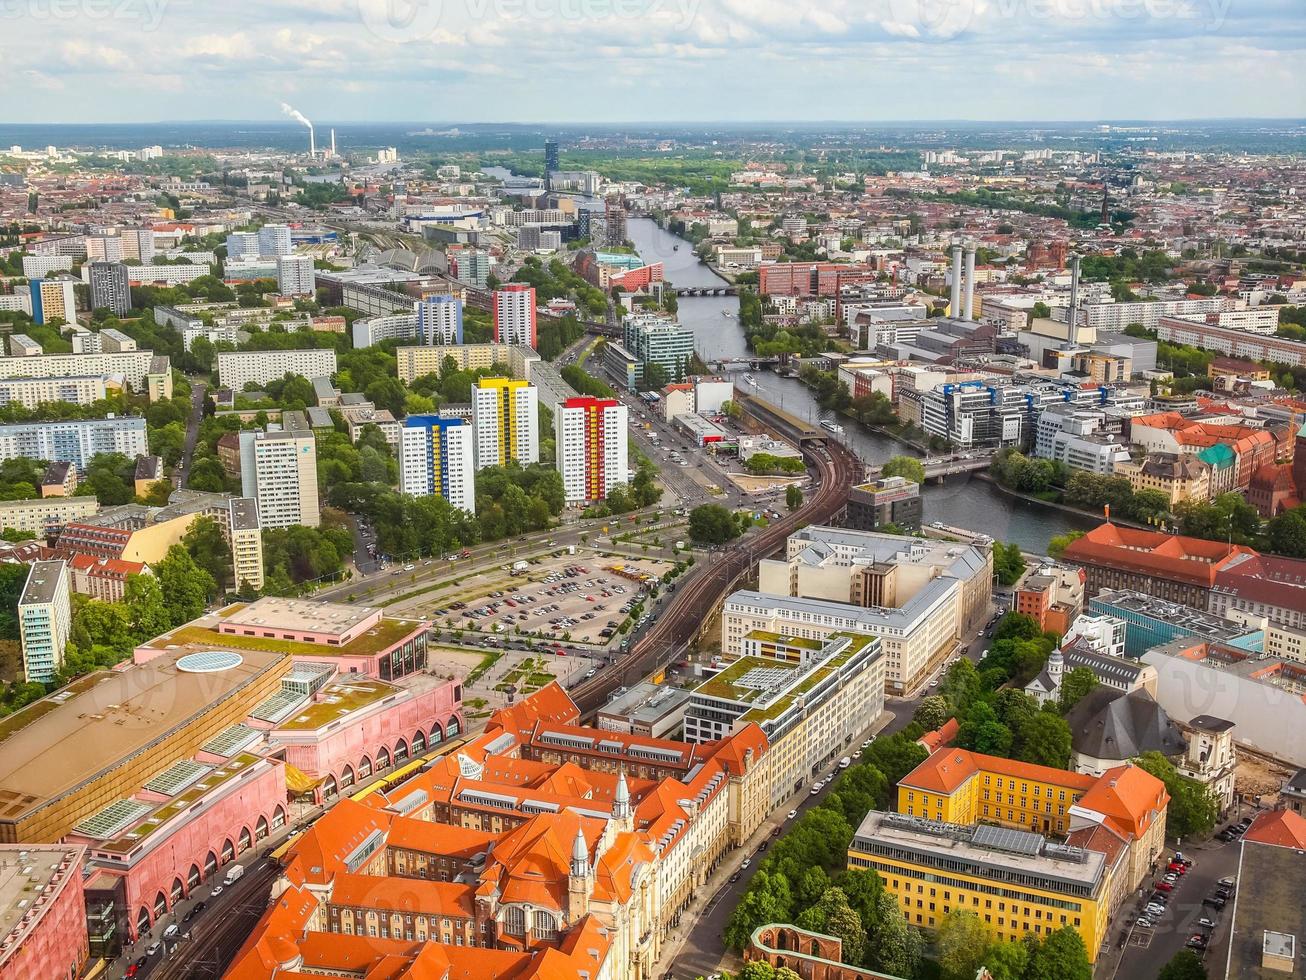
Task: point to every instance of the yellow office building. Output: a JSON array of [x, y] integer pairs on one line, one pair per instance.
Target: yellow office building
[[963, 787], [1015, 882]]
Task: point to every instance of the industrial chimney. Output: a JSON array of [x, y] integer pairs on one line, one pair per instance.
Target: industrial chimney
[[1072, 317], [969, 313], [312, 143], [333, 143], [955, 309]]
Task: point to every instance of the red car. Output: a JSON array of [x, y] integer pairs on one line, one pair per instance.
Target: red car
[[1163, 886], [1178, 869]]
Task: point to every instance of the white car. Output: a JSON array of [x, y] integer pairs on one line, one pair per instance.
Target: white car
[[791, 814]]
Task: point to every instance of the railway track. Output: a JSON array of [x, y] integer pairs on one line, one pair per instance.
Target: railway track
[[713, 580]]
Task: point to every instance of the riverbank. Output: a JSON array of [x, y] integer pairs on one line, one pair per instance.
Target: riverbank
[[1053, 505]]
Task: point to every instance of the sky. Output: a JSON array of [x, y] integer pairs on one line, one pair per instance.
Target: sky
[[576, 61]]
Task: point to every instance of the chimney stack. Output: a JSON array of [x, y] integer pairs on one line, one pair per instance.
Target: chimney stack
[[312, 143], [969, 313], [1072, 316], [955, 309]]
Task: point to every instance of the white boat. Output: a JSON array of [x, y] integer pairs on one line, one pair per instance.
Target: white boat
[[750, 380], [832, 426]]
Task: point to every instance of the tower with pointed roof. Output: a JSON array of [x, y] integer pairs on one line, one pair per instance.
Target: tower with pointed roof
[[580, 883], [622, 812]]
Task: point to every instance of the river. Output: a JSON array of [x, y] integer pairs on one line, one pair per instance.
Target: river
[[961, 502]]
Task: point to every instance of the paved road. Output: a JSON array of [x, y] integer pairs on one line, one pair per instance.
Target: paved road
[[197, 392]]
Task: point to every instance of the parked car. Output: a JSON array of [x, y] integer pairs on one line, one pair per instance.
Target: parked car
[[1163, 886], [791, 814], [1206, 923], [1214, 902]]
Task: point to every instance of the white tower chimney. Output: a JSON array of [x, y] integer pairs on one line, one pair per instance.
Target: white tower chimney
[[333, 142], [312, 143], [969, 312], [955, 309]]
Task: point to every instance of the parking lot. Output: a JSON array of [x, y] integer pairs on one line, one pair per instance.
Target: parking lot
[[581, 599]]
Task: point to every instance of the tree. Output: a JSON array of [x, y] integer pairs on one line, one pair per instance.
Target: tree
[[907, 467], [1008, 562], [1184, 965], [187, 588], [793, 496], [147, 613], [1007, 960], [932, 712], [892, 946], [712, 524], [12, 579], [982, 731], [1061, 956], [962, 941], [1193, 810], [1074, 686], [833, 916], [895, 756], [109, 479], [768, 899], [1286, 534], [1040, 311], [208, 547], [1044, 740], [1058, 545], [961, 686]]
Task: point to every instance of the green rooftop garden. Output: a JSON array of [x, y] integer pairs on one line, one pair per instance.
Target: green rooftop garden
[[383, 635], [337, 698]]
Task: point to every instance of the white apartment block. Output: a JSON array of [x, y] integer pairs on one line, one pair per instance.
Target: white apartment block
[[592, 447], [236, 369], [30, 392], [44, 620], [42, 516], [1072, 436], [514, 315], [245, 534], [135, 366], [415, 362], [439, 320], [295, 275], [506, 416], [166, 275], [275, 240], [242, 245], [39, 266], [394, 326], [21, 345], [279, 471], [74, 441], [104, 248], [437, 457], [1117, 316]]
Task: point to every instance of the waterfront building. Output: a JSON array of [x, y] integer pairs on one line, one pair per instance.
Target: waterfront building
[[1150, 622], [655, 340], [892, 500]]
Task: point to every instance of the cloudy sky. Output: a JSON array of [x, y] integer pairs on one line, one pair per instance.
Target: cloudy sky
[[652, 60]]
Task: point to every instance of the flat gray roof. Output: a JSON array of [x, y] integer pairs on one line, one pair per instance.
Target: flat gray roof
[[43, 582]]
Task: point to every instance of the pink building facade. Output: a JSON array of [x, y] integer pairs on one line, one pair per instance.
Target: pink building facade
[[151, 874], [48, 941], [391, 733]]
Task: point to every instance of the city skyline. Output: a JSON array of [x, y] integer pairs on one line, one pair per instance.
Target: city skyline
[[145, 60]]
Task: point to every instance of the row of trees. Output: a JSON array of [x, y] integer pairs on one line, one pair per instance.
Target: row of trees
[[762, 463]]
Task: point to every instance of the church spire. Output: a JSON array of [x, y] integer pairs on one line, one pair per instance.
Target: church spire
[[580, 856], [621, 803]]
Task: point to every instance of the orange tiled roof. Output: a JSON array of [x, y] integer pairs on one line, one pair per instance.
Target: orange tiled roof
[[1171, 556], [1129, 797], [1278, 828], [941, 737], [944, 772], [403, 895]]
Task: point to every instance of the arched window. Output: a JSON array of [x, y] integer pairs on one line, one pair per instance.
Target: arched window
[[160, 904], [544, 925], [451, 729], [514, 920], [419, 741], [365, 768], [143, 921], [437, 734], [261, 828], [228, 851], [347, 777], [329, 787], [245, 839], [176, 890], [210, 864], [383, 758], [278, 817], [401, 752], [193, 878]]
